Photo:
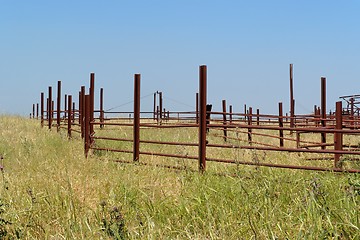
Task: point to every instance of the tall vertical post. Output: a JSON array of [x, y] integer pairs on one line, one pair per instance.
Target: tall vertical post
[[245, 112], [83, 107], [65, 106], [323, 110], [58, 107], [230, 114], [160, 106], [257, 116], [92, 101], [154, 109], [136, 125], [37, 111], [33, 110], [338, 135], [101, 107], [292, 104], [352, 112], [202, 119], [249, 117], [73, 110], [197, 108], [50, 107], [69, 119], [281, 125], [86, 113], [224, 119], [42, 109]]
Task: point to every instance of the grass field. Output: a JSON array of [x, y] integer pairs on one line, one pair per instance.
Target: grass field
[[49, 190]]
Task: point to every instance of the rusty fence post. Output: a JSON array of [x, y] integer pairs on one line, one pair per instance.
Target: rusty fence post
[[58, 107], [338, 135], [202, 117], [323, 110], [197, 108], [249, 117], [154, 107], [101, 108], [281, 125], [92, 100], [42, 109], [37, 111], [52, 109], [65, 105], [160, 106], [49, 113], [224, 119], [230, 114], [257, 116], [245, 112], [33, 110], [69, 116], [73, 109], [136, 124], [83, 108], [87, 103], [352, 112], [292, 103], [79, 108]]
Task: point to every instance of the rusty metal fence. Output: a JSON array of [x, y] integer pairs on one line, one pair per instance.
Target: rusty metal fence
[[215, 131]]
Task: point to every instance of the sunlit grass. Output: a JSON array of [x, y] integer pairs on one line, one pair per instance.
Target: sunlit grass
[[49, 190]]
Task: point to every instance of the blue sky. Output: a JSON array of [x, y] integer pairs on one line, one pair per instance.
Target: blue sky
[[247, 46]]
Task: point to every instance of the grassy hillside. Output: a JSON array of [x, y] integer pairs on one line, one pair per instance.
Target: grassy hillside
[[48, 190]]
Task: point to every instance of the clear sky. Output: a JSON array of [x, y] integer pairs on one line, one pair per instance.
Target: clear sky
[[247, 46]]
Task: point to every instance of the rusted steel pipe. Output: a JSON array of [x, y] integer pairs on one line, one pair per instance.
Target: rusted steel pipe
[[101, 107], [49, 113], [284, 166], [224, 118], [65, 106], [197, 108], [83, 108], [249, 124], [160, 106], [281, 125], [87, 104], [154, 107], [92, 101], [58, 107], [37, 111], [42, 109], [323, 109], [136, 130], [338, 136], [292, 105], [202, 117], [69, 116]]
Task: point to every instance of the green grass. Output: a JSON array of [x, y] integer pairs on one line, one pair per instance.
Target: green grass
[[49, 190]]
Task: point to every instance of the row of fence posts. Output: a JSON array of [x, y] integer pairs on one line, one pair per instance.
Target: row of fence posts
[[86, 116]]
